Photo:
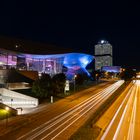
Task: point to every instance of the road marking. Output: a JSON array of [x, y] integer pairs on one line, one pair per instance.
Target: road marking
[[124, 138], [54, 121], [128, 119], [122, 117], [46, 128], [133, 117], [113, 119]]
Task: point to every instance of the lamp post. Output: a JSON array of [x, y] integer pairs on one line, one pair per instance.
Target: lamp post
[[11, 102], [0, 98], [74, 82], [7, 110], [7, 61]]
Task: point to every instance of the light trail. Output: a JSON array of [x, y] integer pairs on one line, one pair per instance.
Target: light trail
[[84, 106], [75, 108], [125, 128], [72, 109], [113, 119], [85, 111], [133, 117], [123, 114]]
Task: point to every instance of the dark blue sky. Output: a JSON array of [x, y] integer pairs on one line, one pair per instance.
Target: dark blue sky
[[76, 24]]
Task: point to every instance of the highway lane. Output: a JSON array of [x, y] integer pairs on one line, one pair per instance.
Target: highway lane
[[125, 124], [55, 114], [137, 124], [57, 108], [58, 125], [46, 111]]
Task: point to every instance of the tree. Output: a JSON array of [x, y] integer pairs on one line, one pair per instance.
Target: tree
[[47, 86], [80, 78], [127, 74], [42, 87], [96, 75], [58, 81]]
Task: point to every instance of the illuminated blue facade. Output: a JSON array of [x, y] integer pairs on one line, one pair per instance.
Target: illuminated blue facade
[[73, 63], [114, 69], [76, 63]]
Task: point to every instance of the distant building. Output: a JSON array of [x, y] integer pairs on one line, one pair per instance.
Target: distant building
[[103, 54], [114, 69], [29, 56]]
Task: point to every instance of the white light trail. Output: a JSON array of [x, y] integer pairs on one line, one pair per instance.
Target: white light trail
[[113, 119], [85, 105], [124, 113], [70, 111], [131, 98], [88, 108], [133, 117]]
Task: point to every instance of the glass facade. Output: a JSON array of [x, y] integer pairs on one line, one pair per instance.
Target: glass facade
[[103, 55], [51, 64]]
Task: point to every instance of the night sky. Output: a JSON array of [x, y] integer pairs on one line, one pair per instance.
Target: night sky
[[76, 24]]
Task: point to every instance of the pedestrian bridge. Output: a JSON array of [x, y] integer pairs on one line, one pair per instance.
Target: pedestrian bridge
[[17, 100]]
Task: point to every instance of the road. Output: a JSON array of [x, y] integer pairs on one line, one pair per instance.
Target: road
[[60, 122], [125, 124]]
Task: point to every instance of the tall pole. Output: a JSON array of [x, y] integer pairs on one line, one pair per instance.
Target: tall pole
[[11, 102], [74, 82], [7, 60], [0, 98], [7, 111], [6, 119]]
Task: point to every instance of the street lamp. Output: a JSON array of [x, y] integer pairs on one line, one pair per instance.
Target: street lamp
[[7, 110], [74, 82], [0, 98], [11, 102]]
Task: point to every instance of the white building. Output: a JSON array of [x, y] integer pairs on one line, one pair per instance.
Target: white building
[[103, 54]]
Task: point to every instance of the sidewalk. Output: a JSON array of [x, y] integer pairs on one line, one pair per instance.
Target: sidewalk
[[21, 120]]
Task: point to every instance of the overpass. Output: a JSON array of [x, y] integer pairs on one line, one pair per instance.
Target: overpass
[[17, 100]]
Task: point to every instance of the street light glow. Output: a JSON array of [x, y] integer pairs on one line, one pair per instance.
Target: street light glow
[[102, 41], [7, 108], [16, 46]]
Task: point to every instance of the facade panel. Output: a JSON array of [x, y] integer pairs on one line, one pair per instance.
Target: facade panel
[[103, 55], [51, 64]]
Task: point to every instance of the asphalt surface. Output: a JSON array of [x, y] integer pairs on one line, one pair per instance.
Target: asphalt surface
[[125, 121], [61, 119]]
